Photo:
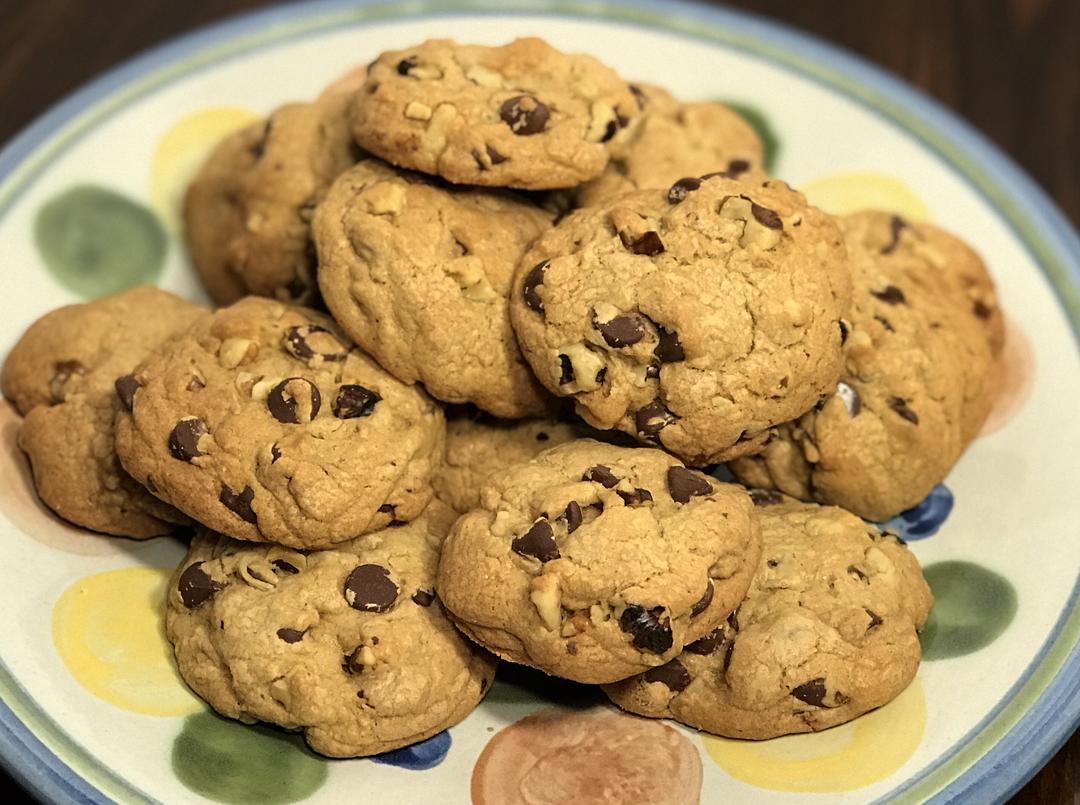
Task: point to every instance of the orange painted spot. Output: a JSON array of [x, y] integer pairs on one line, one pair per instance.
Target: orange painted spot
[[1013, 376]]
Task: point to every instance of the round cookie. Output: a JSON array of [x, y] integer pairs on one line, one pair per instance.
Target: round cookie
[[674, 140], [264, 423], [418, 274], [248, 212], [349, 645], [915, 389], [522, 115], [696, 317], [61, 375], [594, 562], [827, 632]]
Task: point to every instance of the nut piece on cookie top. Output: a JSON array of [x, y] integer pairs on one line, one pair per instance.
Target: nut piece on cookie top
[[695, 317], [522, 115]]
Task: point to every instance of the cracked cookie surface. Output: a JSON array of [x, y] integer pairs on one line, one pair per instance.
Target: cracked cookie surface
[[247, 213], [265, 423], [349, 645], [916, 384], [522, 115], [61, 376], [828, 631], [594, 562], [696, 317], [418, 273]]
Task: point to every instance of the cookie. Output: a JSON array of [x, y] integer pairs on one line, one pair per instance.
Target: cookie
[[418, 273], [265, 423], [247, 213], [827, 632], [522, 115], [915, 390], [61, 375], [695, 318], [594, 562], [674, 140], [349, 645]]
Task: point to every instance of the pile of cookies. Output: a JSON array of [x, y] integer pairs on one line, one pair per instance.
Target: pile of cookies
[[370, 440]]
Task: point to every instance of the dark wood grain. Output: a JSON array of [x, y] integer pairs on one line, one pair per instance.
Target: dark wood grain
[[1010, 67]]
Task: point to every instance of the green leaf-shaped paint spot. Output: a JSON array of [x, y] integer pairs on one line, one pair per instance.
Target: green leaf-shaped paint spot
[[230, 762], [972, 607], [96, 242], [760, 123]]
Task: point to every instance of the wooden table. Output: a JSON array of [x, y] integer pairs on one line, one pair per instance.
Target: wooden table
[[1011, 67]]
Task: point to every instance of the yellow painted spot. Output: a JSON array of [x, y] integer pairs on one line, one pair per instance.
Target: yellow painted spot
[[110, 632], [844, 758], [845, 193], [184, 149]]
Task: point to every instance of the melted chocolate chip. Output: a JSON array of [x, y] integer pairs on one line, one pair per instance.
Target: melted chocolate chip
[[369, 588], [653, 418], [650, 628], [765, 497], [196, 587], [684, 484], [424, 598], [765, 216], [875, 619], [524, 114], [635, 498], [312, 340], [672, 674], [736, 168], [538, 542], [601, 475], [291, 635], [812, 692], [495, 157], [854, 571], [668, 349], [566, 370], [843, 332], [571, 516], [890, 295], [682, 188], [533, 280], [405, 65], [896, 226], [648, 244], [850, 398], [285, 567], [900, 406], [353, 400], [184, 439], [885, 323], [126, 387], [621, 331], [239, 503], [706, 645], [982, 310], [704, 601], [652, 371], [275, 453], [294, 400]]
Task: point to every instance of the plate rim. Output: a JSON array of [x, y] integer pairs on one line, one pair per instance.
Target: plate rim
[[1031, 734]]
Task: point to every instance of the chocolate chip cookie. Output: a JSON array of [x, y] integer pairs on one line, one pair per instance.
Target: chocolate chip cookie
[[695, 317], [61, 376], [827, 632], [916, 384], [349, 645], [594, 562], [674, 140], [265, 423], [522, 115], [248, 212], [419, 274]]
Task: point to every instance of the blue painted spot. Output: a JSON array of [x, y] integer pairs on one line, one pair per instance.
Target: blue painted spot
[[418, 757], [924, 520]]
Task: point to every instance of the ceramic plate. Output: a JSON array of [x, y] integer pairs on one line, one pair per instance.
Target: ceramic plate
[[92, 707]]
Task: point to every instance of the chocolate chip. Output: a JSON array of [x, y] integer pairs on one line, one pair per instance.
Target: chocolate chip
[[424, 598], [652, 371], [639, 96], [495, 157], [635, 498], [387, 508], [524, 114], [275, 453], [126, 387], [601, 475], [773, 562], [896, 226], [609, 130], [843, 332], [885, 323], [259, 148], [239, 504], [533, 280], [405, 65], [650, 628], [706, 645], [369, 588], [351, 664], [850, 398], [184, 438], [875, 619], [982, 310], [621, 331], [566, 370], [684, 484], [353, 400], [682, 188], [672, 674], [538, 542], [196, 383], [648, 244], [737, 167], [890, 295], [812, 692], [311, 340], [62, 372], [854, 571], [571, 516], [668, 349], [542, 437], [653, 418], [285, 567], [196, 587], [704, 601], [291, 635], [294, 400], [900, 406], [765, 216], [765, 497]]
